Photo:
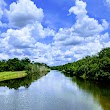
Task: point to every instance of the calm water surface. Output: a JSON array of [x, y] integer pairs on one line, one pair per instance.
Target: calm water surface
[[56, 92]]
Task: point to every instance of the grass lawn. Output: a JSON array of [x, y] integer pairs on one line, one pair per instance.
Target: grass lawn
[[12, 75]]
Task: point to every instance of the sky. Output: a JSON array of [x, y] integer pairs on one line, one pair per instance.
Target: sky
[[54, 32]]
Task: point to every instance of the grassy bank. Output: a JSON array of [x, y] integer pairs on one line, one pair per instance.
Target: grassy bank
[[12, 75]]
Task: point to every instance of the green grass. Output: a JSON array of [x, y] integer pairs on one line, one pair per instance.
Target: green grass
[[12, 75]]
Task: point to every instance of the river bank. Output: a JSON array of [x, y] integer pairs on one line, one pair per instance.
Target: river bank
[[12, 75], [95, 68]]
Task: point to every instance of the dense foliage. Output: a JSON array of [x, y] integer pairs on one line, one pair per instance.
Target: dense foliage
[[37, 68], [14, 64], [96, 67], [17, 65]]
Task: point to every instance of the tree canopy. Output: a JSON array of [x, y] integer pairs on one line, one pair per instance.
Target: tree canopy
[[96, 67], [16, 64]]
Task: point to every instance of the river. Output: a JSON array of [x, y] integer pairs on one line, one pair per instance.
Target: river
[[55, 91]]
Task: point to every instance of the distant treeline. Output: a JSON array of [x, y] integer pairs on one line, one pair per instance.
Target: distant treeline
[[96, 67], [16, 64]]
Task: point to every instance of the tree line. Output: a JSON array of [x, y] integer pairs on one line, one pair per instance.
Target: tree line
[[96, 67], [16, 64]]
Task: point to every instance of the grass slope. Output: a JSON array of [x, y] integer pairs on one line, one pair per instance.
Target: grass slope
[[12, 75]]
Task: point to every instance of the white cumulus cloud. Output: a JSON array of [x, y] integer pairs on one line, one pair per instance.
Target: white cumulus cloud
[[24, 12], [85, 36]]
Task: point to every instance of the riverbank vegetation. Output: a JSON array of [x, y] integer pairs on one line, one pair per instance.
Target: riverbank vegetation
[[32, 75], [96, 67], [16, 64], [15, 68]]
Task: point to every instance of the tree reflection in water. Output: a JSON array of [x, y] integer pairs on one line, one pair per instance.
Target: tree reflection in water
[[26, 81]]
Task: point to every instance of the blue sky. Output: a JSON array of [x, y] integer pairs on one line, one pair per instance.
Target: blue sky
[[53, 31]]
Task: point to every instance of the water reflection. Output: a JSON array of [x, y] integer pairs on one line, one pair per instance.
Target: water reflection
[[26, 81], [52, 92], [100, 92]]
